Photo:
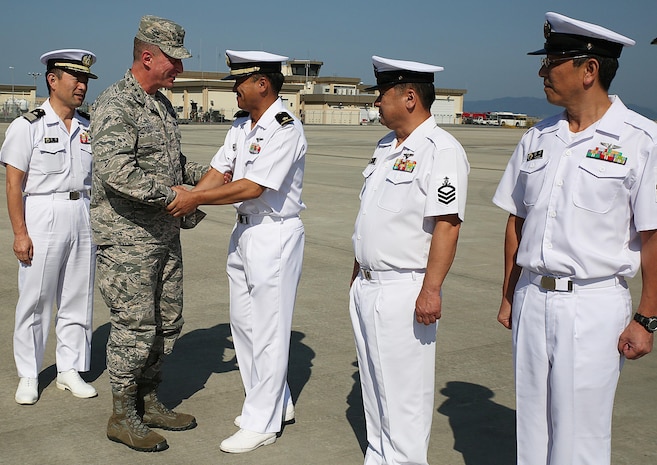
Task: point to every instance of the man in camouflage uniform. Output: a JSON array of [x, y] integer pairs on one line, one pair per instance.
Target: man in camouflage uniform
[[137, 158]]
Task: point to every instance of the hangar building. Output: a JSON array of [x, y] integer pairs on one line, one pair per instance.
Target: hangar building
[[203, 96]]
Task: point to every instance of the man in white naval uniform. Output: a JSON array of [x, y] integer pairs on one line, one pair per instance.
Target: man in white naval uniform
[[265, 149], [580, 193], [406, 232], [47, 154]]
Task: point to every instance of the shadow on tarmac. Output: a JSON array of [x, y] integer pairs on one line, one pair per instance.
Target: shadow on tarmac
[[300, 364], [196, 356], [484, 432], [356, 412], [98, 353], [98, 361], [46, 377]]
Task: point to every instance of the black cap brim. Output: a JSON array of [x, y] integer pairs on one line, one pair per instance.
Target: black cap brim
[[239, 70], [75, 71], [567, 44], [391, 78]]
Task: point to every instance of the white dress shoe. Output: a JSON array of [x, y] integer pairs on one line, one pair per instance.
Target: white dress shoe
[[246, 441], [71, 380], [288, 418], [28, 391]]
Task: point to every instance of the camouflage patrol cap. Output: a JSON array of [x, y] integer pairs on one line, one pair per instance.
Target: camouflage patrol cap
[[164, 33]]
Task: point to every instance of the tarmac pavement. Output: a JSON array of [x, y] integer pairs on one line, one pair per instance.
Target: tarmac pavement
[[474, 418]]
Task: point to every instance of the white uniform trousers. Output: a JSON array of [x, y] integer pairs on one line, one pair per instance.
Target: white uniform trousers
[[61, 273], [396, 362], [567, 367], [264, 268]]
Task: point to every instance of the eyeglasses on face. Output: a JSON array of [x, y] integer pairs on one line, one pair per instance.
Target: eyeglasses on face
[[548, 62]]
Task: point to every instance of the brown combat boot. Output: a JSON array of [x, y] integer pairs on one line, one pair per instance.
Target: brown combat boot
[[126, 427], [157, 415]]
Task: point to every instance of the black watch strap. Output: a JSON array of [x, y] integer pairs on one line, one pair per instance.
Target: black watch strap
[[649, 323]]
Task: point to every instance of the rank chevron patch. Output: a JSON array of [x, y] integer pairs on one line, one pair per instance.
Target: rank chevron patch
[[446, 192]]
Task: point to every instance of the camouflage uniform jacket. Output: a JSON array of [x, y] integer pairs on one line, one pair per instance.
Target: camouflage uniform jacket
[[137, 159]]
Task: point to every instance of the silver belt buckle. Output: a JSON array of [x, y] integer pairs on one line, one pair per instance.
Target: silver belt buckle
[[549, 283], [367, 274], [75, 195]]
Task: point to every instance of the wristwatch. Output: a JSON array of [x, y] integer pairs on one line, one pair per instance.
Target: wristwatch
[[648, 322]]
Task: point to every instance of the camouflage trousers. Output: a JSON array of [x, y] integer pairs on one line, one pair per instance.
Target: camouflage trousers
[[142, 286]]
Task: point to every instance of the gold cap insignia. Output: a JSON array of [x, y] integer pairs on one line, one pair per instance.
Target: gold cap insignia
[[547, 29]]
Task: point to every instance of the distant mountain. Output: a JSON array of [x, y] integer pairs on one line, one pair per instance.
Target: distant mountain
[[532, 106]]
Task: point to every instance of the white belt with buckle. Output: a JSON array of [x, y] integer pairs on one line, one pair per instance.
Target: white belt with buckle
[[72, 195], [260, 219], [390, 274], [554, 283], [551, 283]]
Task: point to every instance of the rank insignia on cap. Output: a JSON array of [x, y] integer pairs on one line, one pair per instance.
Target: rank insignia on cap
[[608, 154], [534, 155], [547, 29], [446, 192]]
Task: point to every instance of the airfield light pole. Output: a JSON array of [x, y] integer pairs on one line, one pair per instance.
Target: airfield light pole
[[12, 90], [35, 76]]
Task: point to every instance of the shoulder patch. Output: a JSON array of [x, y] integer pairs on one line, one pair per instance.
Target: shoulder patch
[[84, 114], [241, 114], [34, 115], [284, 119]]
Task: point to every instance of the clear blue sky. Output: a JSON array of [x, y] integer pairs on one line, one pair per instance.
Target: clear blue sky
[[481, 44]]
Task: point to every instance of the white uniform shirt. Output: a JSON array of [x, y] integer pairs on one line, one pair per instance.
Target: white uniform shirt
[[583, 200], [270, 155], [405, 187], [53, 159]]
